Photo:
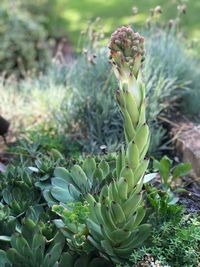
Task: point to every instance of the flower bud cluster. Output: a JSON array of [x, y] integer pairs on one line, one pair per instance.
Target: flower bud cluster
[[126, 51]]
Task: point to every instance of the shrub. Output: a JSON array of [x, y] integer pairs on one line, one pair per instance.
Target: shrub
[[49, 13], [23, 44], [168, 51], [25, 103], [91, 104]]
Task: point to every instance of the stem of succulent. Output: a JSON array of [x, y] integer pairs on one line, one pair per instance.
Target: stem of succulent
[[116, 226], [127, 56]]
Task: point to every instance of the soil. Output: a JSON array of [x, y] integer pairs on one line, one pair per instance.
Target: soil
[[190, 199]]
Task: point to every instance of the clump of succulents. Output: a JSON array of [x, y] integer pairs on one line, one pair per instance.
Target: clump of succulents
[[17, 189], [115, 223], [74, 184], [7, 224], [93, 214], [29, 248]]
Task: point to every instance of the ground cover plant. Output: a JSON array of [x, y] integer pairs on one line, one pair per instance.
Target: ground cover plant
[[98, 210], [171, 242]]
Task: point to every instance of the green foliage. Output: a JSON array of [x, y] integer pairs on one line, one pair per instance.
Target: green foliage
[[30, 248], [47, 136], [75, 184], [34, 116], [174, 243], [24, 222], [163, 204], [44, 165], [73, 225], [168, 173], [91, 107], [84, 260], [92, 110], [168, 231], [61, 18], [163, 197], [116, 222], [48, 13], [23, 42], [76, 212], [178, 70], [7, 225], [3, 259], [92, 207], [86, 115], [18, 190]]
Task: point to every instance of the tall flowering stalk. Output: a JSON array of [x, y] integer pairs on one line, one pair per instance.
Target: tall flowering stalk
[[127, 55], [116, 223]]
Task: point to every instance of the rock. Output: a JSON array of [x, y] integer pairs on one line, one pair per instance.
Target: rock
[[187, 142]]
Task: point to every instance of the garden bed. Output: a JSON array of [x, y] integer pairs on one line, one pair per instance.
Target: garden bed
[[90, 176]]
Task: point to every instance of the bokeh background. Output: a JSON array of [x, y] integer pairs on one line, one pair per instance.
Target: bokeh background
[[55, 80], [69, 17]]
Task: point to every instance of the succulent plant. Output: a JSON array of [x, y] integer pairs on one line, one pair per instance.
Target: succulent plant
[[43, 218], [116, 217], [84, 260], [31, 249], [44, 166], [69, 189], [7, 225], [4, 262], [115, 224], [73, 226], [17, 189], [74, 185]]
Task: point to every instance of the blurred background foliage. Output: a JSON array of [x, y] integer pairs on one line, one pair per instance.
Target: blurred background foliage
[[23, 45], [61, 17], [47, 98]]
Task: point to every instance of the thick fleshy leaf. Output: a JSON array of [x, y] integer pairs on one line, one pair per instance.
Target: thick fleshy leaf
[[61, 195], [59, 182], [5, 238], [182, 169], [64, 174], [149, 177]]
